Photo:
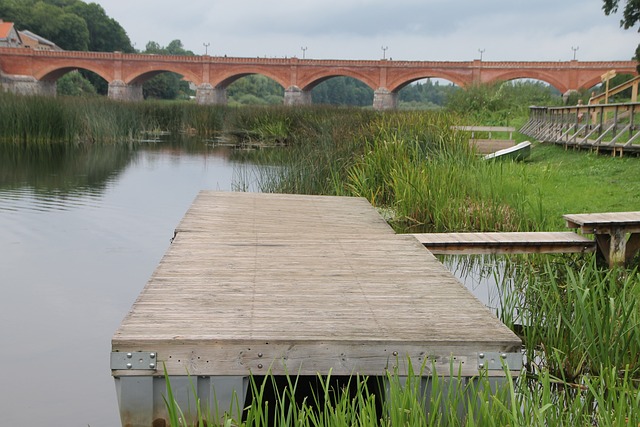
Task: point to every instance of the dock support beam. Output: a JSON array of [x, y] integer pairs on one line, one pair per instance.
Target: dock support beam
[[611, 230], [141, 403]]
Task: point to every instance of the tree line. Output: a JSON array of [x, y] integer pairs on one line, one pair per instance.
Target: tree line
[[71, 24]]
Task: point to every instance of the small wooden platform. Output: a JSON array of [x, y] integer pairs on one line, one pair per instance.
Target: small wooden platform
[[301, 285], [610, 230], [317, 283], [488, 145], [505, 243]]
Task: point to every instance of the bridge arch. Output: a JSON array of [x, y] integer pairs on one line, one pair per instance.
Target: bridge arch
[[231, 76], [529, 74], [142, 75], [312, 80], [406, 80], [54, 72]]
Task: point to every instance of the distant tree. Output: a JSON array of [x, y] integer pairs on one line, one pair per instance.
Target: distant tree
[[630, 17], [105, 34], [255, 89], [497, 103], [73, 33], [175, 47], [166, 85], [74, 84], [342, 90], [71, 24]]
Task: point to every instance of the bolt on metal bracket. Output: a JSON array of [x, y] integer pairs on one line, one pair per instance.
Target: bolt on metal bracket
[[493, 360], [134, 360]]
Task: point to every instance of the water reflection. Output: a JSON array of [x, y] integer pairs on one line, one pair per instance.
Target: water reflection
[[487, 277], [81, 231], [57, 177]]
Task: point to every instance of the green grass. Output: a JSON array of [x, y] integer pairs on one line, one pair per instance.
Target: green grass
[[575, 181]]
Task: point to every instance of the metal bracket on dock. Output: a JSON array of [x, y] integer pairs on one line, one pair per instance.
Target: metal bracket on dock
[[492, 360], [134, 360]]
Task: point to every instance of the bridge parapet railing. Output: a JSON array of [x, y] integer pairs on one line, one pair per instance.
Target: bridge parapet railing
[[607, 127]]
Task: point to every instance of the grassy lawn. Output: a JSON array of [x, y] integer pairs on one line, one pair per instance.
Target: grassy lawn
[[573, 181]]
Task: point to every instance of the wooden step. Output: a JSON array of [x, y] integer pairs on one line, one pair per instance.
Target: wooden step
[[506, 243]]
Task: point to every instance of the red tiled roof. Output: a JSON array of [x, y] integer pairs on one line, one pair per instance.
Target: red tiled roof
[[5, 27]]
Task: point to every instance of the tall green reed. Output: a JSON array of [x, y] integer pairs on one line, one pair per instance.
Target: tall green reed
[[578, 322]]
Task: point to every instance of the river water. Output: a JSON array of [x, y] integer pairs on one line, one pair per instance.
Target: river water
[[81, 231]]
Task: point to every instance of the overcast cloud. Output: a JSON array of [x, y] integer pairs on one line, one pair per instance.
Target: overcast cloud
[[439, 30]]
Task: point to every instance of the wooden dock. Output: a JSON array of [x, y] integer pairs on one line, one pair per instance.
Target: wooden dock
[[600, 127], [617, 233], [506, 243], [299, 284], [488, 145]]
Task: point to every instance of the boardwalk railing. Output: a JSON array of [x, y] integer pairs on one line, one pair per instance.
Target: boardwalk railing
[[633, 84], [607, 127]]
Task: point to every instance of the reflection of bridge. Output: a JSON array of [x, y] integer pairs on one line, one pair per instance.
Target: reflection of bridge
[[31, 71]]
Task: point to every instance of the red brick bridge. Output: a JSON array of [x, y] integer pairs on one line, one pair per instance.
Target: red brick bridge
[[31, 71]]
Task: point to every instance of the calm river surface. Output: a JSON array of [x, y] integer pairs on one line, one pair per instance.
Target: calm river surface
[[81, 231]]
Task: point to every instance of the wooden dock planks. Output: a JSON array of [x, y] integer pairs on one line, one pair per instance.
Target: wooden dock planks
[[611, 230], [302, 284], [505, 243], [603, 222]]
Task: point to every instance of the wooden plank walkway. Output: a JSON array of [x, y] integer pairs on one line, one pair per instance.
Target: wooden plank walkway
[[506, 243], [302, 284], [610, 230]]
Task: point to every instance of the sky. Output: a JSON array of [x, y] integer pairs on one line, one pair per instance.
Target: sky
[[425, 30]]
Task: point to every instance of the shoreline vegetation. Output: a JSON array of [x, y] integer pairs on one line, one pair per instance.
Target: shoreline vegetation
[[580, 324]]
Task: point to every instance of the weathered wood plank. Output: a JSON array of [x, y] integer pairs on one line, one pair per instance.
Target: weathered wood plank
[[601, 223], [505, 243], [610, 230], [312, 282]]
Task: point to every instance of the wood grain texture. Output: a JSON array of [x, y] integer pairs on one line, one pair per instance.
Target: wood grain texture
[[304, 284], [506, 243], [602, 223]]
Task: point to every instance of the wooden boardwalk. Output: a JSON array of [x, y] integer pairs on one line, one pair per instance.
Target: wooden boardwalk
[[617, 233], [506, 243], [300, 284]]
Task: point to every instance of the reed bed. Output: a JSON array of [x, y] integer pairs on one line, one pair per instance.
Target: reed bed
[[421, 174]]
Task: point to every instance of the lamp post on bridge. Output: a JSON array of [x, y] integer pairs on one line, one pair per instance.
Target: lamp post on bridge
[[574, 49], [384, 51], [481, 52], [206, 48], [304, 50]]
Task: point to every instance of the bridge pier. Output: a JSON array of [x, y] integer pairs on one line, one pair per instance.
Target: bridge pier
[[121, 91], [206, 94], [383, 99], [27, 85], [566, 97], [293, 95]]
